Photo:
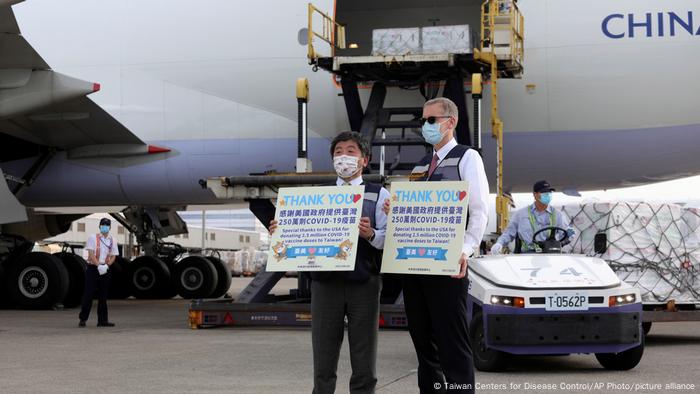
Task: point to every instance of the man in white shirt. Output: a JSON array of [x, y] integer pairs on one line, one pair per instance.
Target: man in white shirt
[[102, 251], [436, 306]]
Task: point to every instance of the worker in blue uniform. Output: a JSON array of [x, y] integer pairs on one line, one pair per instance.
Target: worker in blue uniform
[[527, 221]]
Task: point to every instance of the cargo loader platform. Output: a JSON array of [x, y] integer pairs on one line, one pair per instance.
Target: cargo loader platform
[[382, 126]]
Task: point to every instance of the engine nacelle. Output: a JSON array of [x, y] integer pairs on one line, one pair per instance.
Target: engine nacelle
[[39, 227]]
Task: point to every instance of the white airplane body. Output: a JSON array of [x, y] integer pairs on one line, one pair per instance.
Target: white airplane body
[[606, 99], [192, 90]]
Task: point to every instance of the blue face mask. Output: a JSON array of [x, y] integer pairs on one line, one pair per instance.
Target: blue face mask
[[104, 229], [431, 133], [546, 198]]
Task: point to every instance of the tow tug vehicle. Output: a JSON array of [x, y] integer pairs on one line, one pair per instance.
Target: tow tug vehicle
[[550, 303]]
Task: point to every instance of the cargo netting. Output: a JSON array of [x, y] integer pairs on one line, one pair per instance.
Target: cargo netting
[[652, 246]]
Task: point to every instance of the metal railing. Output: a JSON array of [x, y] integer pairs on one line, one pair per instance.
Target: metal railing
[[494, 17], [331, 32], [501, 53]]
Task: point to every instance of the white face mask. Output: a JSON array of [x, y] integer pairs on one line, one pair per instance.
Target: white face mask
[[345, 166]]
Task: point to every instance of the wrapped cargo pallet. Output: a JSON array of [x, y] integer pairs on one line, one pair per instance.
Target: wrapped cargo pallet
[[243, 261], [229, 257], [691, 221], [396, 42], [259, 261], [651, 246], [446, 39], [430, 40]]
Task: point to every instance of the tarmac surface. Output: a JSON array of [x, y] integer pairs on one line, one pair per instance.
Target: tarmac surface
[[152, 350]]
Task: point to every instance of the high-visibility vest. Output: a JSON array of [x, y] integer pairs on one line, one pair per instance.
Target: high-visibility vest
[[533, 225], [98, 241]]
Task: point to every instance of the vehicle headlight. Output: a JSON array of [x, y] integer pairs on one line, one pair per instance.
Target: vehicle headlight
[[517, 302], [622, 299]]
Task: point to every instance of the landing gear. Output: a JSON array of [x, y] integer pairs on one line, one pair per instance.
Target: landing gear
[[37, 280], [75, 266], [150, 277], [224, 275], [159, 274], [195, 277], [119, 285], [4, 294]]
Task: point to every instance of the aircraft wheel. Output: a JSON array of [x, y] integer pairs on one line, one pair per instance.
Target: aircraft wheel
[[37, 280], [5, 301], [75, 265], [195, 277], [120, 284], [149, 277], [223, 284]]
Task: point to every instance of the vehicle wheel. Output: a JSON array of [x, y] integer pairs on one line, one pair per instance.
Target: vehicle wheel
[[120, 285], [485, 359], [148, 277], [646, 326], [223, 284], [195, 277], [621, 361], [75, 265], [37, 280]]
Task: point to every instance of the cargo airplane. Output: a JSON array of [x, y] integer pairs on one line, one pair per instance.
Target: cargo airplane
[[128, 104]]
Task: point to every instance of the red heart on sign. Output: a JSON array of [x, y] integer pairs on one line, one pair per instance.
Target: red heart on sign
[[462, 194], [421, 252], [357, 197], [312, 250]]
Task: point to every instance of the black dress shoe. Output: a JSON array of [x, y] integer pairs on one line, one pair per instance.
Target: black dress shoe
[[108, 324], [82, 323]]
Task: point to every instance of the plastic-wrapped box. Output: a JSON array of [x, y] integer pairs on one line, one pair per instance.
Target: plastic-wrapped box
[[654, 247], [233, 264], [395, 42], [259, 261], [691, 223], [446, 39], [243, 261]]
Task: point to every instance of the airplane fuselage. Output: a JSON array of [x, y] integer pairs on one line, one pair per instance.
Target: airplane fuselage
[[607, 98]]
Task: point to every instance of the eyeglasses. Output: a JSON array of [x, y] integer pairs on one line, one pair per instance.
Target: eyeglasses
[[431, 119]]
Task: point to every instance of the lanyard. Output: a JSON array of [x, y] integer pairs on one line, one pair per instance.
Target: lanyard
[[101, 239], [108, 245]]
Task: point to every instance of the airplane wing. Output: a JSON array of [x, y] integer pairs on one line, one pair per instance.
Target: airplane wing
[[49, 109], [42, 111]]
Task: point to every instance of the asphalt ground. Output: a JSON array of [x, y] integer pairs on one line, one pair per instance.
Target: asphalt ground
[[152, 350]]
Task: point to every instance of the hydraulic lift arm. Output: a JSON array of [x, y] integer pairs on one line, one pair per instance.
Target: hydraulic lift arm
[[502, 49]]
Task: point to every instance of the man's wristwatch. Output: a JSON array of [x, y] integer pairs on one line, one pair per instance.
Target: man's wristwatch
[[371, 237]]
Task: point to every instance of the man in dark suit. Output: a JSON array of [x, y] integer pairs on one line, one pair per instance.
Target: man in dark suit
[[354, 295], [436, 306]]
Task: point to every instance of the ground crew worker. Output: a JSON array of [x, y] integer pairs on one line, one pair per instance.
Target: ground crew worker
[[527, 221], [354, 294], [102, 251], [436, 305]]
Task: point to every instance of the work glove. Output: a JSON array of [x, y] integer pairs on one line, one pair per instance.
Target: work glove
[[496, 248]]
